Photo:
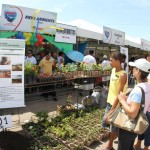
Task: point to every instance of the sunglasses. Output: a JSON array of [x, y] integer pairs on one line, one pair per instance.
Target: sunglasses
[[28, 53]]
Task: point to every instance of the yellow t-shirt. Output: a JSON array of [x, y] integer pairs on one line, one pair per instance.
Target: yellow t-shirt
[[114, 85], [46, 66]]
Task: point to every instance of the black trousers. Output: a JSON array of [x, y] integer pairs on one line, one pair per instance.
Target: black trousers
[[49, 88], [126, 140]]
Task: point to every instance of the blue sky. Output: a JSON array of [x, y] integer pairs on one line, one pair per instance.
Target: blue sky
[[129, 16]]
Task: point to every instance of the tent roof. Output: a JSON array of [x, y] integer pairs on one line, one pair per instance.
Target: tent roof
[[79, 23], [89, 30]]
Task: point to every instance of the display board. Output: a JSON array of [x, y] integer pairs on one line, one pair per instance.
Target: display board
[[112, 36], [16, 18], [5, 121], [145, 45], [66, 35], [12, 53]]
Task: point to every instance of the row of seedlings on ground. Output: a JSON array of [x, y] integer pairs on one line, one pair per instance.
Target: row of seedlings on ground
[[62, 130], [40, 138], [88, 127], [71, 130], [85, 126]]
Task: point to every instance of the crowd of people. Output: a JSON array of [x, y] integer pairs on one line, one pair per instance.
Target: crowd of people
[[131, 104], [54, 58], [117, 91], [47, 63]]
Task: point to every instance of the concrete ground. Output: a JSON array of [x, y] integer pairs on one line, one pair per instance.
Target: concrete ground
[[23, 114]]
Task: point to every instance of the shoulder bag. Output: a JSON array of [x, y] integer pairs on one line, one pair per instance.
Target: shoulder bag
[[120, 119]]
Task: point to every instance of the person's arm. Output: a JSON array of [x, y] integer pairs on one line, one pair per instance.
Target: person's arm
[[132, 109], [40, 67], [123, 80]]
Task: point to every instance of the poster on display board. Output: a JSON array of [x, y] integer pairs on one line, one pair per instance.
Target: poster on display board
[[145, 45], [124, 50], [112, 36], [66, 33], [16, 18], [12, 54]]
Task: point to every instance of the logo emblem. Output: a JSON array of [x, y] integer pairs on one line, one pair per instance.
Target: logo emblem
[[107, 34], [10, 15]]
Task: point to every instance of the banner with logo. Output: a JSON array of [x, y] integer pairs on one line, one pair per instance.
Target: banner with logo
[[113, 36], [145, 45], [16, 18], [124, 50], [65, 33], [12, 52]]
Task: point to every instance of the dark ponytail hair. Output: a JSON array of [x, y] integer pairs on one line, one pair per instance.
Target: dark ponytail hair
[[143, 76], [117, 56]]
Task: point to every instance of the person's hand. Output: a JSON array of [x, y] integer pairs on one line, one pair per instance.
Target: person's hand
[[122, 97]]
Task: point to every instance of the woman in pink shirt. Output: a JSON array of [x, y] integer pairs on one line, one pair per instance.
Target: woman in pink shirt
[[132, 104]]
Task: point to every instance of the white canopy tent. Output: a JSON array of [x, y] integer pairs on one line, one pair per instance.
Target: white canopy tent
[[88, 30]]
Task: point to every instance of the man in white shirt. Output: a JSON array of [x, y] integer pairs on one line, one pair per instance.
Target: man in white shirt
[[89, 59], [105, 62], [30, 58]]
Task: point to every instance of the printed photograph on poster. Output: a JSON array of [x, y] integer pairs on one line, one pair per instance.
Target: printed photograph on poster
[[17, 67], [5, 73], [16, 78], [5, 60]]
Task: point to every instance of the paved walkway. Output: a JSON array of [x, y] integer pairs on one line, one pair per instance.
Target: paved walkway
[[101, 145]]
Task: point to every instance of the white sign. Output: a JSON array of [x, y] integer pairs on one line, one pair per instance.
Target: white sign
[[124, 50], [145, 45], [12, 52], [112, 36], [5, 121], [66, 33], [16, 18]]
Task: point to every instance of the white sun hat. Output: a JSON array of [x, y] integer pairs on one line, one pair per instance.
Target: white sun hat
[[141, 64]]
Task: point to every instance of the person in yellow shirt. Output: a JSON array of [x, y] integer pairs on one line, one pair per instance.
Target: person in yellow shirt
[[46, 68], [45, 64], [118, 83]]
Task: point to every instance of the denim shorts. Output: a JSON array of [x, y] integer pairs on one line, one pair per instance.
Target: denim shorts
[[104, 124]]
